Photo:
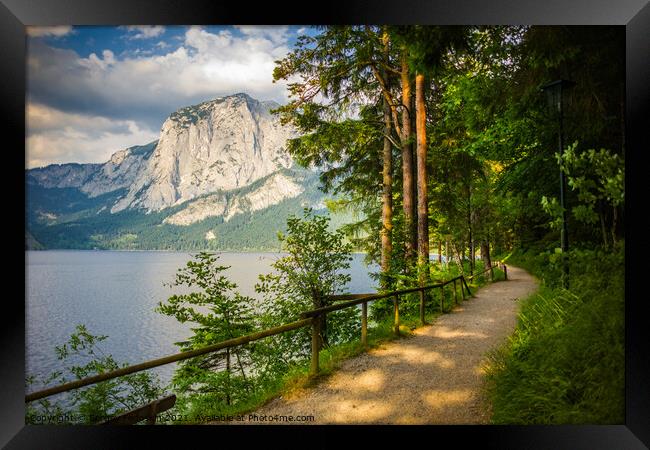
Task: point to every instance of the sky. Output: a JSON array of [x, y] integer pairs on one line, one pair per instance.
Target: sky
[[92, 91]]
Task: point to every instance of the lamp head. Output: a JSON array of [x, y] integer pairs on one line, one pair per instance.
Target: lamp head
[[554, 92]]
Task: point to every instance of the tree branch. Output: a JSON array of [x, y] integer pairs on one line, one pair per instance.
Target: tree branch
[[389, 98]]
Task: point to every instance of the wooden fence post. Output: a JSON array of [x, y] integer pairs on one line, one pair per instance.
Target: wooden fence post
[[505, 272], [469, 293], [442, 299], [315, 344], [396, 311], [455, 293], [152, 417], [364, 324], [422, 306], [492, 273], [462, 289]]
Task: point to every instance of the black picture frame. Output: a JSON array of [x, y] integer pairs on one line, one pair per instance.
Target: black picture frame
[[633, 14]]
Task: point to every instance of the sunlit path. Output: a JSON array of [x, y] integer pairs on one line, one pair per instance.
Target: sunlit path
[[433, 377]]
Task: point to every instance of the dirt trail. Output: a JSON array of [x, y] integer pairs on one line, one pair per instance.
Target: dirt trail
[[434, 377]]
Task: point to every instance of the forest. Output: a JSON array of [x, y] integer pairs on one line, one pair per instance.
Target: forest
[[443, 135]]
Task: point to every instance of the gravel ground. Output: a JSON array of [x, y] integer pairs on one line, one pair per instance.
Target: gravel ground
[[433, 377]]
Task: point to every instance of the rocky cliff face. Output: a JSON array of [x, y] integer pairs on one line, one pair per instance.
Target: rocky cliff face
[[120, 171], [63, 175], [271, 191], [203, 151], [222, 144]]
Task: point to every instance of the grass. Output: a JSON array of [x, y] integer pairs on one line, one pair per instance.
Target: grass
[[564, 364]]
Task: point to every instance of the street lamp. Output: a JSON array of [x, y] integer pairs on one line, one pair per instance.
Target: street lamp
[[554, 91]]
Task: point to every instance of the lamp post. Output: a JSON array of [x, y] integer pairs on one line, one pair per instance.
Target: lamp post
[[554, 92]]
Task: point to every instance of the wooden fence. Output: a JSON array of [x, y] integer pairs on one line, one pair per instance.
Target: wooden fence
[[308, 318]]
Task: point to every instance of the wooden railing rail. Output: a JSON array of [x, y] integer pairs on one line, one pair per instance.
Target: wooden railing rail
[[471, 277], [356, 299], [165, 360]]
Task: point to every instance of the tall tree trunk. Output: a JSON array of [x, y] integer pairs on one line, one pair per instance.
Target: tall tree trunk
[[387, 180], [421, 154], [228, 375], [469, 229], [472, 254], [601, 215], [414, 177], [485, 253], [407, 167], [614, 223], [447, 253], [458, 257]]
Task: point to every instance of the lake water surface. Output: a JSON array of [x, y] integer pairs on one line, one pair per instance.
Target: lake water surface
[[114, 293]]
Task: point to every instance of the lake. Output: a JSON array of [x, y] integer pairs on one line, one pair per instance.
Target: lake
[[114, 293]]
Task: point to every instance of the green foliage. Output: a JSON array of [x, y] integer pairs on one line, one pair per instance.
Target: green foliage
[[554, 210], [342, 132], [598, 177], [97, 402], [565, 361], [595, 175], [220, 313], [429, 46], [303, 280], [489, 106]]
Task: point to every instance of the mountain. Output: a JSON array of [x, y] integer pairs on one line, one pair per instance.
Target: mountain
[[222, 144], [218, 176]]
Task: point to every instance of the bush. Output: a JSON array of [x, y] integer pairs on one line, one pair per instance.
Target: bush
[[303, 280], [219, 313]]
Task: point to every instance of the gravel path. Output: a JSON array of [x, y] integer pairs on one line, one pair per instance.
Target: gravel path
[[434, 377]]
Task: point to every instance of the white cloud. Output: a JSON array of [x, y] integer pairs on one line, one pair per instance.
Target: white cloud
[[58, 31], [142, 90], [274, 33], [58, 137], [145, 31], [207, 65], [93, 62]]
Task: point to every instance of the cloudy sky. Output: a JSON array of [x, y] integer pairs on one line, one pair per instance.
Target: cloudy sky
[[94, 90]]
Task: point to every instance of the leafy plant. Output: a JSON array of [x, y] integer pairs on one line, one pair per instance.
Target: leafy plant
[[304, 279], [598, 177], [96, 402], [220, 313]]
